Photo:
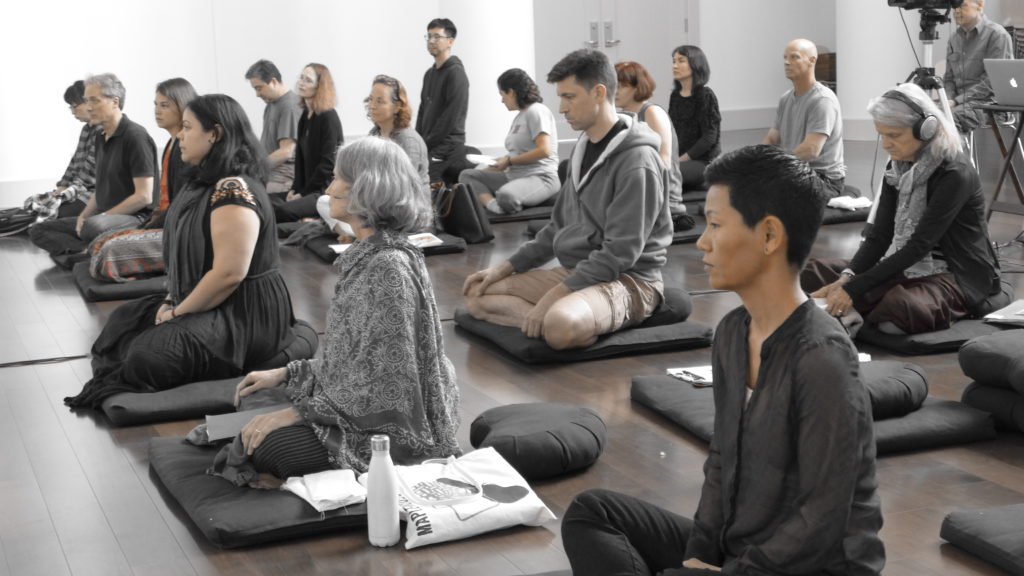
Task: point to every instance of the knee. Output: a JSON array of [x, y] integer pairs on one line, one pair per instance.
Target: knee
[[586, 508], [567, 327]]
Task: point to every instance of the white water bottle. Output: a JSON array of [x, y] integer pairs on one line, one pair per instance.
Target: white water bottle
[[382, 494]]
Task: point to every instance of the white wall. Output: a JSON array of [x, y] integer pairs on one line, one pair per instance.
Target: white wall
[[212, 43], [744, 41]]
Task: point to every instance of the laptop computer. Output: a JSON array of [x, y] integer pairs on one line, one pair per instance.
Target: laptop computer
[[1007, 78]]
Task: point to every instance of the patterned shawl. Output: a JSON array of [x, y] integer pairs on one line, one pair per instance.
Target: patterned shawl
[[911, 179], [381, 367]]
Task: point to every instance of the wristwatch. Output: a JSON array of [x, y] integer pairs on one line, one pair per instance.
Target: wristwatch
[[848, 272]]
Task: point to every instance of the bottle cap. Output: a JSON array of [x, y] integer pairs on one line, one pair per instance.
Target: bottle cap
[[380, 443]]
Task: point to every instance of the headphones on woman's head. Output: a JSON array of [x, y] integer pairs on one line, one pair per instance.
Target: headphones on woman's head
[[927, 126]]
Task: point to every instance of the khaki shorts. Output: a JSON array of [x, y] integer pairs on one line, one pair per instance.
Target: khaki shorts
[[621, 303]]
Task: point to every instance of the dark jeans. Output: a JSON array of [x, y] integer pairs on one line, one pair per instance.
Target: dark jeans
[[612, 534], [294, 210], [913, 305], [833, 186], [447, 164], [693, 174]]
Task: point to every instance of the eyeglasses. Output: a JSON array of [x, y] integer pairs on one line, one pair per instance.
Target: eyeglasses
[[434, 37]]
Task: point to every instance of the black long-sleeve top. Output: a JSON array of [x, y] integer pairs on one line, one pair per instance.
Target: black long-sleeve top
[[697, 122], [444, 102], [789, 483], [318, 141], [953, 223]]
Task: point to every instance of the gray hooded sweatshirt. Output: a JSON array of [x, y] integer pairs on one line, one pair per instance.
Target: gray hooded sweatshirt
[[614, 219]]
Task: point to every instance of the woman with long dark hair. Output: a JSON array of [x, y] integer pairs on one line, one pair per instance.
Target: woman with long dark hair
[[528, 174], [227, 308], [693, 108]]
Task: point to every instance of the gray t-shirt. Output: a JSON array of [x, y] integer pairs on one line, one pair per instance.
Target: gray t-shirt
[[415, 148], [816, 111], [281, 120], [534, 120]]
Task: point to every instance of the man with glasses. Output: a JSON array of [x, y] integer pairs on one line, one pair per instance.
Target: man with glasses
[[966, 82], [444, 101], [75, 188], [125, 171], [280, 123]]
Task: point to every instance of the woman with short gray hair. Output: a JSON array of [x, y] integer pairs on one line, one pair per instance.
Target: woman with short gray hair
[[928, 259], [381, 368]]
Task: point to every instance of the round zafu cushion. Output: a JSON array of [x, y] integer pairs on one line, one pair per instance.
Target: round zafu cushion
[[895, 388], [995, 360], [541, 440]]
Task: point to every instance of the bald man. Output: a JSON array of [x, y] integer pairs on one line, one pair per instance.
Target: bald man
[[966, 82], [808, 122]]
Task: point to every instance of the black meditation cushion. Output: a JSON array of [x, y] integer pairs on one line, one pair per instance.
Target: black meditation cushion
[[936, 422], [543, 211], [541, 440], [94, 290], [937, 342], [995, 535], [666, 329], [1005, 405], [895, 388], [995, 360], [199, 399], [231, 516]]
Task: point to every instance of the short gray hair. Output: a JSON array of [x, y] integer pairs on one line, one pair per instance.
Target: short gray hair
[[893, 112], [110, 87], [385, 191]]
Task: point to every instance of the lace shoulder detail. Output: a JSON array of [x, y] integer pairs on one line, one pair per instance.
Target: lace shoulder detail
[[232, 190]]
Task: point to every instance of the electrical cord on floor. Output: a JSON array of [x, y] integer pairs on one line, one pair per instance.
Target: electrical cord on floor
[[42, 361]]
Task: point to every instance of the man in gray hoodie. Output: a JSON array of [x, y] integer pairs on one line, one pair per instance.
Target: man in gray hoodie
[[609, 229]]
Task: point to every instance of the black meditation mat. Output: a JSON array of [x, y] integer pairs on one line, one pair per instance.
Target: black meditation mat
[[230, 516], [321, 246], [68, 261], [199, 399], [839, 215], [936, 423], [532, 213], [996, 535], [94, 290], [948, 340], [666, 329]]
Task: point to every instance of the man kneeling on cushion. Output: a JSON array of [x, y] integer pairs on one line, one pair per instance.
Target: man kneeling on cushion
[[610, 227]]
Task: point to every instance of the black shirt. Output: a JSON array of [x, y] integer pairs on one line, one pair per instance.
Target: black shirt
[[129, 153], [789, 483], [444, 102], [697, 122], [316, 146], [594, 150]]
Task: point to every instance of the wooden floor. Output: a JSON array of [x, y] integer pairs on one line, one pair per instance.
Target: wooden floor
[[77, 497]]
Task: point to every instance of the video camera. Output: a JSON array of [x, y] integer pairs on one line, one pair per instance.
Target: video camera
[[926, 4]]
